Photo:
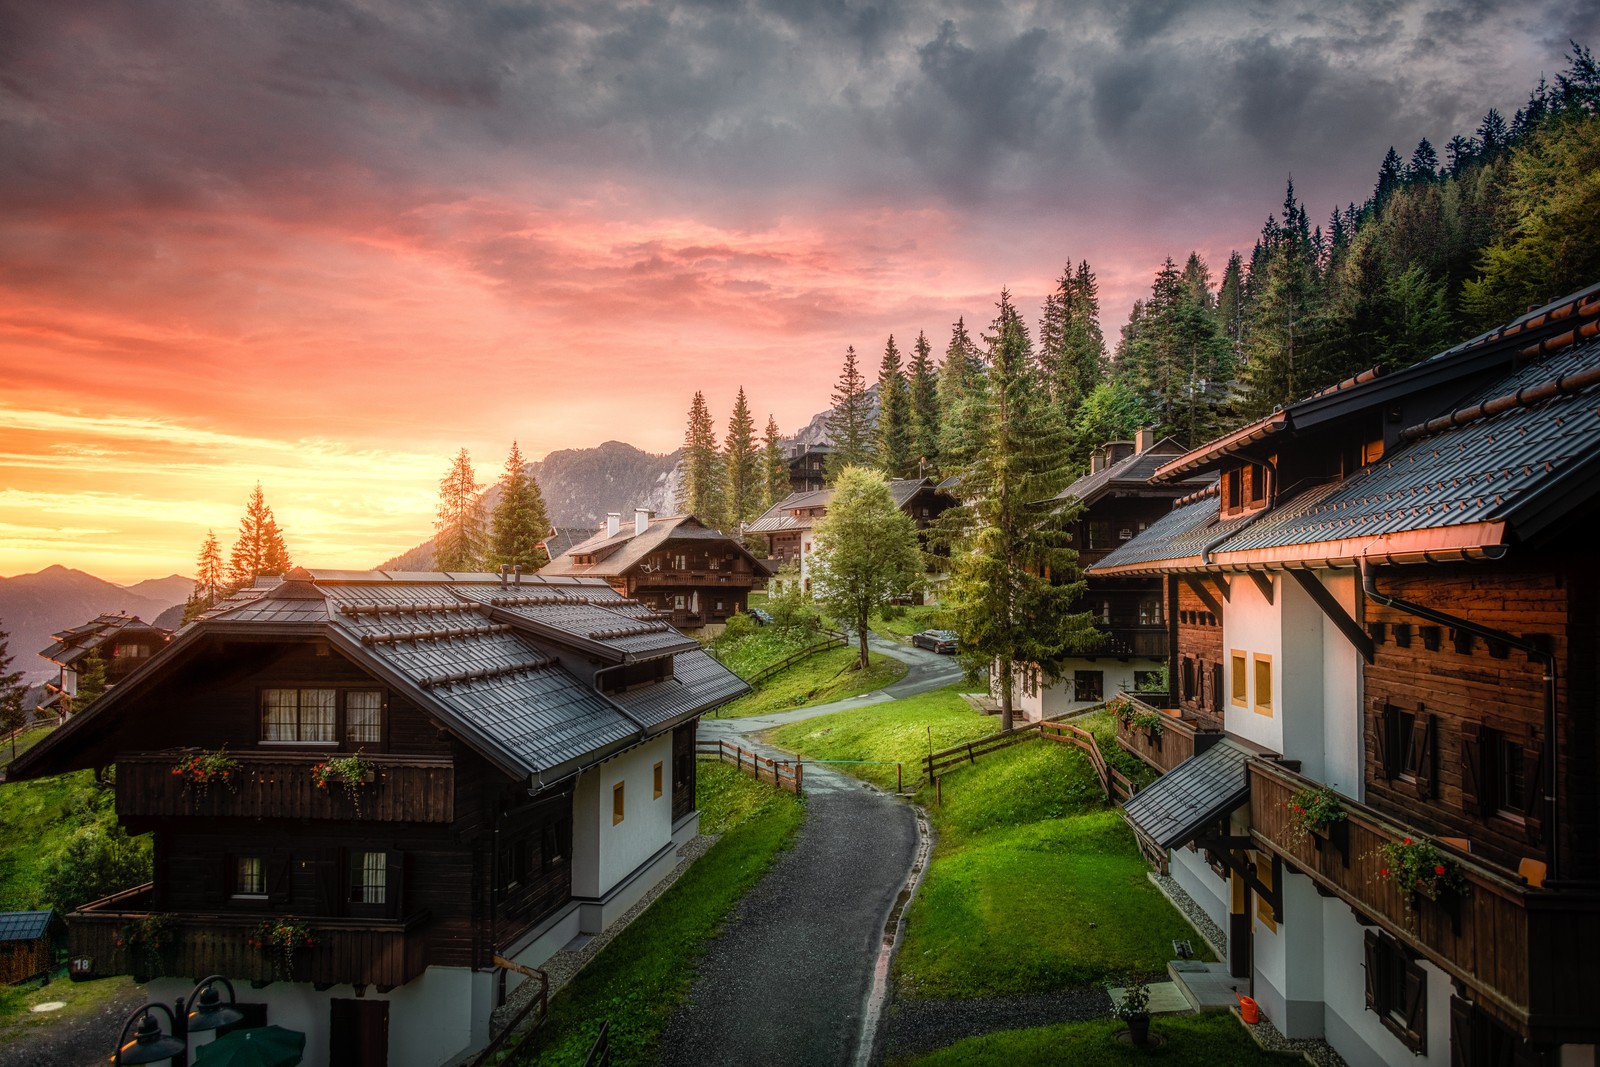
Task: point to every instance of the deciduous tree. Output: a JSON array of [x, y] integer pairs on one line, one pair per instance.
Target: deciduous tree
[[460, 543], [866, 552]]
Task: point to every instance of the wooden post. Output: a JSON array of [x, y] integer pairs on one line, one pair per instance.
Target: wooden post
[[938, 790], [899, 777], [970, 757]]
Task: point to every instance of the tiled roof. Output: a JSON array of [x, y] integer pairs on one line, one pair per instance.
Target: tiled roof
[[562, 538], [1181, 534], [777, 517], [699, 679], [1131, 471], [620, 554], [1191, 796], [73, 644], [24, 925]]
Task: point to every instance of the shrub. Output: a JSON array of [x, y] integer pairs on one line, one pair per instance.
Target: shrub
[[96, 861]]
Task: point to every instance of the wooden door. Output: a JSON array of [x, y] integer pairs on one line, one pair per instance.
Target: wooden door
[[358, 1034]]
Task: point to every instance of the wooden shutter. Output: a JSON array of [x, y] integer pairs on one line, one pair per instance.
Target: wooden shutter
[[1463, 1053], [1216, 687], [216, 879], [1380, 745], [1374, 950], [1533, 795], [1415, 1007], [394, 892], [1472, 768], [1424, 732], [280, 878]]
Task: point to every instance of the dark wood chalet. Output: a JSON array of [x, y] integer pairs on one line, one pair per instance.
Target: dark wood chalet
[[808, 468], [690, 574], [123, 642], [525, 773], [788, 524], [1389, 604]]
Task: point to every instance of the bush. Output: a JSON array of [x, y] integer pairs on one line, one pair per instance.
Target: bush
[[739, 627], [96, 861]]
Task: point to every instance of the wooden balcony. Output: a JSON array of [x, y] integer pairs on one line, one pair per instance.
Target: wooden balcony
[[1530, 956], [384, 953], [1133, 640], [279, 785], [1172, 746]]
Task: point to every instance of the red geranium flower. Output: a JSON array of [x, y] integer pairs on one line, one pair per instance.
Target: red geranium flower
[[1439, 869]]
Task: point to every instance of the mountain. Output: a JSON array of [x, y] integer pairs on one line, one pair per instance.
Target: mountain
[[34, 606], [173, 589]]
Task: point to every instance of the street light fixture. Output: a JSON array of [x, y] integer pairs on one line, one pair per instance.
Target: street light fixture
[[150, 1045]]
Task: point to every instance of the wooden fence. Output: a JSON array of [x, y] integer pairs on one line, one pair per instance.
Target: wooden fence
[[936, 763], [1117, 786], [785, 774], [600, 1051], [833, 639], [520, 1026]]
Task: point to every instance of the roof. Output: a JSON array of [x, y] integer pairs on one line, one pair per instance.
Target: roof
[[1179, 538], [619, 554], [778, 518], [25, 925], [77, 642], [1131, 472], [563, 538], [484, 657], [1191, 796]]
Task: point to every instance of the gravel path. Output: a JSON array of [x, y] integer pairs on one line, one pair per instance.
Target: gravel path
[[83, 1038], [917, 1026]]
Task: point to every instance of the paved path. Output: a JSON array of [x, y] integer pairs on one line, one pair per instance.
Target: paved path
[[790, 982]]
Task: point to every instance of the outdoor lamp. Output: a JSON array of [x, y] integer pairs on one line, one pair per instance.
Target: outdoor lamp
[[209, 1012], [149, 1044]]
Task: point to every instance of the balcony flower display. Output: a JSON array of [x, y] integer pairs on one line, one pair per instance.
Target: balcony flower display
[[1313, 810], [282, 937], [147, 939], [1419, 867], [1152, 722], [203, 769], [352, 772], [1120, 707]]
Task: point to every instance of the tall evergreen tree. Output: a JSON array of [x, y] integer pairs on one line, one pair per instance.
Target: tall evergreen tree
[[1230, 306], [961, 386], [850, 422], [895, 456], [12, 693], [1013, 579], [742, 466], [1424, 165], [260, 550], [774, 466], [460, 542], [91, 681], [703, 473], [211, 582], [925, 414], [1390, 172], [1283, 311], [520, 524], [1175, 354]]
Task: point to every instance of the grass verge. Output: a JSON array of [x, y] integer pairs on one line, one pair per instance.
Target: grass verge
[[1104, 728], [22, 744], [1191, 1041], [898, 731], [81, 999], [913, 618], [639, 979], [827, 676]]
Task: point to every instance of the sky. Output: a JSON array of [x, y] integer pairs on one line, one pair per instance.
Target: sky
[[321, 245]]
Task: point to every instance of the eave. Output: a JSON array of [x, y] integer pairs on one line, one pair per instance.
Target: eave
[[1471, 541]]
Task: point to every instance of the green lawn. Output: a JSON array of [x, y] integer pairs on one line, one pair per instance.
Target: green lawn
[[638, 980], [913, 618], [23, 743], [756, 651], [900, 730], [1191, 1041], [827, 676], [82, 999], [1104, 728]]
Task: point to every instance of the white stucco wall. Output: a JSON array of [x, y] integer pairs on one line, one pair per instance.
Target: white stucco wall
[[1251, 625], [603, 852], [1190, 870], [1342, 721], [1353, 1031], [1057, 698], [1289, 961]]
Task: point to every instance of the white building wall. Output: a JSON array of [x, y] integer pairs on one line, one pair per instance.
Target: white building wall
[[1343, 743], [1353, 1031], [1289, 961], [1190, 870], [605, 852], [1298, 676], [1251, 625], [1058, 698]]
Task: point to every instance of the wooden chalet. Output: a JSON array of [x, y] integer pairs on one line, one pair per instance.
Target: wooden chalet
[[1390, 597], [687, 572], [529, 773], [808, 468], [1118, 501], [124, 643], [31, 944]]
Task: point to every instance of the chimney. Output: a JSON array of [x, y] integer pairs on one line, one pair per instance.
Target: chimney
[[1117, 451], [1143, 438], [1096, 461], [613, 523], [641, 521]]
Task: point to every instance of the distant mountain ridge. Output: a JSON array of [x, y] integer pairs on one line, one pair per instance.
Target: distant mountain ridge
[[34, 606]]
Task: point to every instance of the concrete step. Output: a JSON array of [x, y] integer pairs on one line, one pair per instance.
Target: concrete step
[[1165, 999], [1207, 986]]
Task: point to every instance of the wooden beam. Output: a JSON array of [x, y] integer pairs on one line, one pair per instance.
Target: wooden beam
[[1203, 593], [1335, 612], [1221, 585], [1263, 583]]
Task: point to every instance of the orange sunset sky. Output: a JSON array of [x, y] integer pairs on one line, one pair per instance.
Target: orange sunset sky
[[322, 246]]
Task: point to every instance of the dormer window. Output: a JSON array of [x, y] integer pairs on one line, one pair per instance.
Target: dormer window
[[1244, 488]]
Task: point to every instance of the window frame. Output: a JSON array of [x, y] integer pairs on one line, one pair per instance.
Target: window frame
[[1397, 990], [657, 779], [341, 739], [619, 803], [240, 890], [1258, 661], [1239, 679], [331, 741]]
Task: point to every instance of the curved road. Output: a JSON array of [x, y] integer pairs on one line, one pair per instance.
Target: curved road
[[790, 983]]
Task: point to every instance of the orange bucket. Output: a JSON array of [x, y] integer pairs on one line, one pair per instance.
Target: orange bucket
[[1249, 1011]]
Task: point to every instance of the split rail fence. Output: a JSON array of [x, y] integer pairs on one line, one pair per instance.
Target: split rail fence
[[1116, 785], [520, 1026], [787, 775]]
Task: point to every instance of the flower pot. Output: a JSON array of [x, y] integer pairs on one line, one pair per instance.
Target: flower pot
[[1139, 1029]]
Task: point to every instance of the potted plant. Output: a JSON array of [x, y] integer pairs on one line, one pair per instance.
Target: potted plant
[[1120, 707], [352, 772], [147, 940], [1420, 869], [1153, 723], [1316, 810], [200, 770], [282, 938], [1134, 1009]]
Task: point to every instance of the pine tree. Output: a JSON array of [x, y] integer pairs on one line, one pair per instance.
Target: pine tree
[[1389, 176], [774, 465], [211, 585], [925, 414], [850, 422], [894, 448], [1283, 311], [961, 386], [703, 471], [260, 549], [1176, 356], [742, 466], [460, 542], [521, 523], [1013, 581], [1424, 165], [91, 681], [12, 693]]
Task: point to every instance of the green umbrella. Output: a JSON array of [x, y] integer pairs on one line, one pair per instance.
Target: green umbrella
[[261, 1046]]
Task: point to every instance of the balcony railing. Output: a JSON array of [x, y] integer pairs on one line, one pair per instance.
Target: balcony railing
[[1526, 953], [279, 785], [1124, 639], [1164, 751], [384, 953]]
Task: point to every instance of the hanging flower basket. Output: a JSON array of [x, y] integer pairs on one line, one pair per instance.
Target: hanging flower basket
[[352, 773], [200, 771], [1314, 810], [1419, 869], [1120, 707], [147, 940], [1151, 722], [282, 938]]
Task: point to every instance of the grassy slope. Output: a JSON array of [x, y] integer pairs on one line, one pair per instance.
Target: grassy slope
[[23, 743], [82, 999], [896, 731], [824, 677], [912, 619], [35, 819], [1192, 1041], [1104, 728], [639, 979]]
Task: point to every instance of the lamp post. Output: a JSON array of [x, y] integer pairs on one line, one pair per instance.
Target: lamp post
[[150, 1045]]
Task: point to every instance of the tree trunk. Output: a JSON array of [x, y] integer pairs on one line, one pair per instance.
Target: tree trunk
[[1005, 695], [861, 638]]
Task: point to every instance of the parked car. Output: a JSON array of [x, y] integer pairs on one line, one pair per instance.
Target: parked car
[[761, 617], [941, 641]]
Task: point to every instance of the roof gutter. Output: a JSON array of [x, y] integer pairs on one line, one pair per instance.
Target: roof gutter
[[1534, 650]]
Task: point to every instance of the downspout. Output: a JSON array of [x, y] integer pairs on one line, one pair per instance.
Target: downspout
[[1369, 585]]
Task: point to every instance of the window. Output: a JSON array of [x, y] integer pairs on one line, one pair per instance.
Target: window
[[249, 877], [657, 779], [1088, 685], [303, 715], [369, 878], [1263, 679], [678, 602], [1188, 678], [1501, 774], [1511, 786], [1099, 533], [1241, 681], [1263, 907], [1397, 990], [130, 651], [617, 806], [363, 716], [1400, 728], [1150, 612], [556, 843]]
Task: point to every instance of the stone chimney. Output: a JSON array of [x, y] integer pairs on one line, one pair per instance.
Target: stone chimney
[[641, 521], [1097, 461], [1143, 438], [1117, 451], [613, 523]]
